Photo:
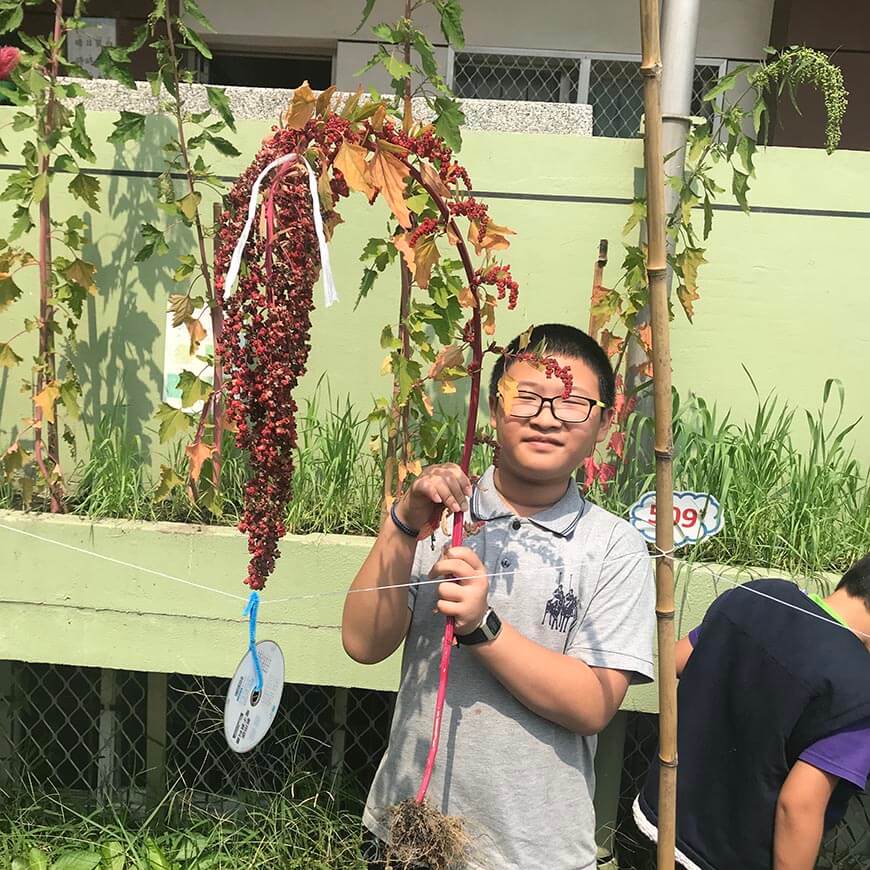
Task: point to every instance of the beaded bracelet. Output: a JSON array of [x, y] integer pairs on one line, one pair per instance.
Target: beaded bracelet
[[411, 533]]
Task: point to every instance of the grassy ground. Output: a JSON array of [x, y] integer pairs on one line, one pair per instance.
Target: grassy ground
[[290, 831]]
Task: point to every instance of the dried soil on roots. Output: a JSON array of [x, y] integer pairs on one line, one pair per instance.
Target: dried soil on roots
[[421, 836]]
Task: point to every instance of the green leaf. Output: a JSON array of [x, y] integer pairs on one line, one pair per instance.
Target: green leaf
[[708, 216], [155, 243], [740, 187], [192, 9], [40, 187], [223, 145], [130, 126], [217, 99], [81, 860], [638, 213], [189, 204], [70, 390], [8, 358], [397, 69], [112, 855], [387, 34], [745, 149], [186, 265], [759, 110], [448, 121], [9, 292], [22, 121], [86, 187], [451, 22], [156, 859], [418, 202], [78, 136], [12, 14], [21, 223], [725, 84], [65, 163], [368, 279], [195, 40], [408, 373], [114, 63], [193, 389], [388, 340], [370, 4], [169, 481], [173, 421]]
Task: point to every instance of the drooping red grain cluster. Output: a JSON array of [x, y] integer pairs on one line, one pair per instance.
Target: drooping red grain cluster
[[551, 367], [265, 339]]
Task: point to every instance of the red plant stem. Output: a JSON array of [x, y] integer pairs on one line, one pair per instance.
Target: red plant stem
[[465, 463]]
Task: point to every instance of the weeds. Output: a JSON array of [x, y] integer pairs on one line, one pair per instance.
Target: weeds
[[799, 510]]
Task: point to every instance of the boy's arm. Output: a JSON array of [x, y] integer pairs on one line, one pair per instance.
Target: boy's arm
[[562, 689], [374, 624], [800, 817], [558, 687]]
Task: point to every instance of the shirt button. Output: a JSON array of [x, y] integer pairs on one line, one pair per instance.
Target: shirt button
[[505, 563], [516, 525]]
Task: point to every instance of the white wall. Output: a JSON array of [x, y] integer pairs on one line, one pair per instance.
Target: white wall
[[729, 28]]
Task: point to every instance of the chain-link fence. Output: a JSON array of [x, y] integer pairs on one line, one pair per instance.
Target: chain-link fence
[[612, 85], [104, 736]]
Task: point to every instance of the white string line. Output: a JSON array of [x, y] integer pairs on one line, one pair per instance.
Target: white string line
[[122, 563], [738, 585], [313, 595], [691, 565]]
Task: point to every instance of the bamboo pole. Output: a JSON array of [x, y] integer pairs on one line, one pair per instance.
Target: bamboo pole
[[650, 69]]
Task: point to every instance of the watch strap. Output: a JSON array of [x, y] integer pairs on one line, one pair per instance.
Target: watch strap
[[488, 630]]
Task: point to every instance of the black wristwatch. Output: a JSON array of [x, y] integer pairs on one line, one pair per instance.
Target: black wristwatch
[[488, 629]]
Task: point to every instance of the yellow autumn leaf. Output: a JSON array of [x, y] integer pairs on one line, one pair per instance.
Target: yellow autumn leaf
[[324, 99], [351, 162], [447, 387], [433, 180], [46, 399], [197, 334], [449, 357], [197, 454], [426, 255], [507, 391], [82, 273], [387, 365], [301, 109], [388, 174]]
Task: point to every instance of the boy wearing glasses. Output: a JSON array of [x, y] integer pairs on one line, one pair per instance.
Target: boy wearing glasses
[[553, 603]]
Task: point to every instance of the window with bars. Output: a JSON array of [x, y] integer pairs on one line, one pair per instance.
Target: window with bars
[[611, 85]]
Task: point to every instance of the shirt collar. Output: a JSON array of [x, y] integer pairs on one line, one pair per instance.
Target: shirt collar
[[560, 518]]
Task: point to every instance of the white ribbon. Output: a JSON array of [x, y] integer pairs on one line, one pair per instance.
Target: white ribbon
[[330, 295]]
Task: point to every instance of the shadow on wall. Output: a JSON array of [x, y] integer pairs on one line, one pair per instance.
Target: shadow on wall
[[121, 360]]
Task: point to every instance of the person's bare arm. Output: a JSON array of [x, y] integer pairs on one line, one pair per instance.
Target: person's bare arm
[[562, 689], [682, 651], [557, 687], [374, 624], [800, 817]]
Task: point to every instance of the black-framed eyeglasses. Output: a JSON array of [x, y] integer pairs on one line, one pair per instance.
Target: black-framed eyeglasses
[[574, 409]]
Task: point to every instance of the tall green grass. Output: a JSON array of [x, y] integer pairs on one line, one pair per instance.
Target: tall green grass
[[802, 509]]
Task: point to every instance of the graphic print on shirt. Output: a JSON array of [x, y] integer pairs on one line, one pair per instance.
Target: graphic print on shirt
[[560, 611]]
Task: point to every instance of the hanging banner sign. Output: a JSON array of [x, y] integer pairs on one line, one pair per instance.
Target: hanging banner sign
[[696, 515]]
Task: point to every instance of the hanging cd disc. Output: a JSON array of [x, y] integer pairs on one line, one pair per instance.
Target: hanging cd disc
[[248, 714]]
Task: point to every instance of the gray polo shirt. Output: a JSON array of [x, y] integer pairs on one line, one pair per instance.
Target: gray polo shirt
[[573, 578]]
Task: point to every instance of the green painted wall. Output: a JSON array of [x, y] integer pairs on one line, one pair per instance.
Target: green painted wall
[[784, 294], [65, 606]]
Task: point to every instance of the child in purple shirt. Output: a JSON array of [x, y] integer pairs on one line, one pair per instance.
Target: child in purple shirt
[[774, 725]]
